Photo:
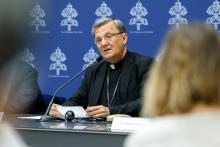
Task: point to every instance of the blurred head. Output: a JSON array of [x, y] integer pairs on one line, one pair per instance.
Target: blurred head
[[187, 73], [111, 38], [13, 30], [13, 20]]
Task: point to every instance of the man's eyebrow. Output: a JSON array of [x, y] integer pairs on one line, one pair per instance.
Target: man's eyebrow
[[104, 34]]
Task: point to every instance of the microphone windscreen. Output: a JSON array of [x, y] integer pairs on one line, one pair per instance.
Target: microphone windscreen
[[99, 58]]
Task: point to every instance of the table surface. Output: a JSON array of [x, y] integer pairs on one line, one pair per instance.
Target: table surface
[[80, 132]]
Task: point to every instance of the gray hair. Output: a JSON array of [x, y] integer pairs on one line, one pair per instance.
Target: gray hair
[[102, 21]]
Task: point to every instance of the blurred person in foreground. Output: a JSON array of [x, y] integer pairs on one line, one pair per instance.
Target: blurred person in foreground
[[12, 40], [22, 95], [186, 109], [18, 80], [112, 86]]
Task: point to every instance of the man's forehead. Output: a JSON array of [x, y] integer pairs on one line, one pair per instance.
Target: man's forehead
[[106, 28]]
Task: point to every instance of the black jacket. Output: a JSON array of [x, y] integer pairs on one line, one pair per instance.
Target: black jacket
[[134, 72]]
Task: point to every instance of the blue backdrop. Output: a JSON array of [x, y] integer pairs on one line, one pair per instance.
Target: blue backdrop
[[63, 43]]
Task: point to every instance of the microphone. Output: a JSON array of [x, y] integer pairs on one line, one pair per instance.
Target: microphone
[[69, 115], [46, 116]]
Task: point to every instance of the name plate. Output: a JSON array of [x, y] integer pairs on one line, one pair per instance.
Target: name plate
[[130, 124]]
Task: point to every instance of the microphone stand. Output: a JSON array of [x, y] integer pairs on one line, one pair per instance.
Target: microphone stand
[[46, 117]]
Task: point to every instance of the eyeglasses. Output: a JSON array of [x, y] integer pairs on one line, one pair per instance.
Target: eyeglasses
[[108, 37]]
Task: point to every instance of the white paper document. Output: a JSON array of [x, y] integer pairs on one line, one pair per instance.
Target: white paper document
[[78, 110]]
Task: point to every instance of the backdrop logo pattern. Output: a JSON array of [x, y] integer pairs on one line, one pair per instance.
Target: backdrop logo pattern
[[178, 11], [150, 21], [139, 12], [103, 11], [90, 57], [37, 14], [28, 57], [69, 13], [58, 57], [214, 11]]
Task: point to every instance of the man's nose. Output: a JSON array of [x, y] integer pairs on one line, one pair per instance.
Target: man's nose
[[104, 41]]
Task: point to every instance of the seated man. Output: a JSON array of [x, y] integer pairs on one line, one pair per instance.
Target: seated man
[[23, 92], [112, 86]]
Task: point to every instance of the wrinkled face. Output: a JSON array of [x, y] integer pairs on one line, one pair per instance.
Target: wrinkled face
[[111, 43]]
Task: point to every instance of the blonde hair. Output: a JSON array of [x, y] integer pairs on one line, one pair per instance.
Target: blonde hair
[[188, 72]]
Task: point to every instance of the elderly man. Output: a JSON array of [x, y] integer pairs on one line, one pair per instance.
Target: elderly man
[[112, 86]]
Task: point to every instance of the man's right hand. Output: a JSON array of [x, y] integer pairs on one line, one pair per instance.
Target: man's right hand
[[54, 111]]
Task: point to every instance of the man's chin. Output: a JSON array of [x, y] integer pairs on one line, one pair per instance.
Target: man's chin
[[108, 58], [107, 55]]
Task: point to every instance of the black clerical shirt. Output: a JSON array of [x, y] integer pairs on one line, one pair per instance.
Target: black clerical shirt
[[114, 78]]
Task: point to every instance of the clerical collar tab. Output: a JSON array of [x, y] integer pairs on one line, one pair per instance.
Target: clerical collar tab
[[112, 66]]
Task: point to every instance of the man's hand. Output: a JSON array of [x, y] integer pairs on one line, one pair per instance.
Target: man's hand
[[97, 111], [54, 111]]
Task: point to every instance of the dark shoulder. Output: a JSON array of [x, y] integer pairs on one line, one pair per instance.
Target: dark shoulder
[[141, 63], [24, 65], [96, 67], [21, 67], [141, 59]]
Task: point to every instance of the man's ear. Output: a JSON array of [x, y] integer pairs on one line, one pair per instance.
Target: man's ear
[[125, 38]]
